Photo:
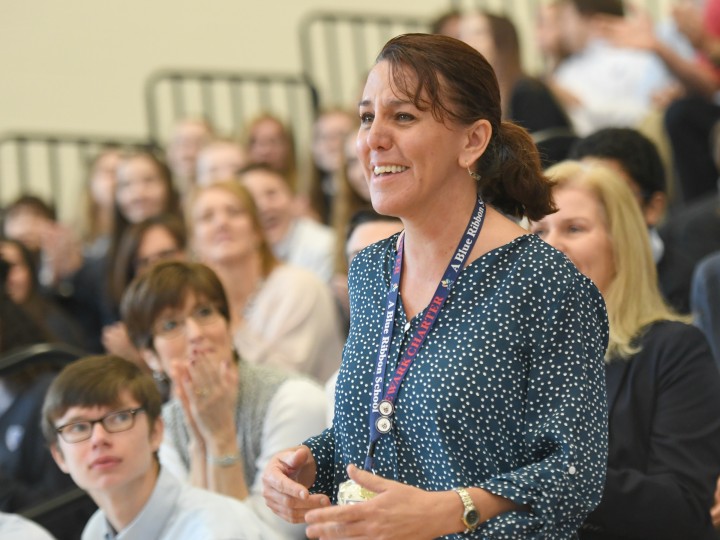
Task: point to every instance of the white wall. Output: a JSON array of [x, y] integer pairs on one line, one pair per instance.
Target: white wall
[[79, 65]]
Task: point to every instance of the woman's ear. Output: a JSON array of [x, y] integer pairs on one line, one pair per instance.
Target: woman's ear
[[476, 141]]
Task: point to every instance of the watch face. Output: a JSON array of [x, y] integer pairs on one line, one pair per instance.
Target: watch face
[[472, 517]]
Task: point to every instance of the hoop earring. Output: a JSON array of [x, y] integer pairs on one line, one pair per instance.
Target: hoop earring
[[475, 176]]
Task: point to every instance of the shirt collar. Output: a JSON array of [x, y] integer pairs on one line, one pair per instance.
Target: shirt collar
[[152, 519]]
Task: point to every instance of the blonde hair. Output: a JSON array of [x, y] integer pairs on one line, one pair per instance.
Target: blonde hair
[[269, 262], [633, 298]]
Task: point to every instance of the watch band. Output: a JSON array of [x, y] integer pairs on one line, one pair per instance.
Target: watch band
[[470, 517], [228, 460]]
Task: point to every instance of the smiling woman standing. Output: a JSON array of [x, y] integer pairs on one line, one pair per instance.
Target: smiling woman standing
[[472, 382]]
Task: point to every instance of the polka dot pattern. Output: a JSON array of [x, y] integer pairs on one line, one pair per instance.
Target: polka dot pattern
[[507, 393]]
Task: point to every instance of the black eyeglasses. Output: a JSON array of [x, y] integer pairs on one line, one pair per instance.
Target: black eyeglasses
[[113, 422]]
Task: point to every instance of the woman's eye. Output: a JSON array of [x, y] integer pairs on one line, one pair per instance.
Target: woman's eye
[[204, 312], [168, 325], [366, 118], [539, 232], [405, 117]]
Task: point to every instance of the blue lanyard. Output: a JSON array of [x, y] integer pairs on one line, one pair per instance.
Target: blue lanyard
[[381, 410]]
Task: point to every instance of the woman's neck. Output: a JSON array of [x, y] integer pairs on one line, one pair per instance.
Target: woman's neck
[[429, 246], [240, 279]]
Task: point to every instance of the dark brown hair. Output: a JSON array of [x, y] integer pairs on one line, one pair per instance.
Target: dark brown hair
[[98, 381], [166, 286], [456, 83], [126, 258]]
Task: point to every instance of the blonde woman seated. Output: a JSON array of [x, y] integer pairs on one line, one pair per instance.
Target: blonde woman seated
[[663, 389], [281, 316]]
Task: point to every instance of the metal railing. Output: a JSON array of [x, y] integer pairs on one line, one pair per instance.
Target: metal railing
[[338, 48], [227, 99], [45, 164]]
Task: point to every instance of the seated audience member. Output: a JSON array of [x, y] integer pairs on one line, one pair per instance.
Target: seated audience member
[[143, 190], [227, 416], [296, 240], [705, 300], [690, 119], [353, 195], [365, 228], [188, 137], [26, 219], [27, 473], [548, 35], [663, 388], [15, 527], [526, 100], [636, 160], [220, 160], [604, 85], [98, 202], [143, 244], [101, 419], [329, 133], [24, 289], [447, 23], [268, 140], [695, 228], [281, 316]]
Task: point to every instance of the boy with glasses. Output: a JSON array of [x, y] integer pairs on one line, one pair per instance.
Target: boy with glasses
[[101, 419]]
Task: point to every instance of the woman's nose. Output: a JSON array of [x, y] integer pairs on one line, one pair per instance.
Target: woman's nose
[[378, 136]]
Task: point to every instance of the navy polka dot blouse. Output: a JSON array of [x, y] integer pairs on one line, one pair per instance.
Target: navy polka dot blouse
[[507, 392]]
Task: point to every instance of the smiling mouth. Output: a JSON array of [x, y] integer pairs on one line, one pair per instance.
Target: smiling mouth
[[388, 169]]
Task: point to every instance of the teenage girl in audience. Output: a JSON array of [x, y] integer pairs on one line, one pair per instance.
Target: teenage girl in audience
[[525, 100], [24, 289], [96, 219], [158, 238], [227, 416], [352, 196], [268, 140], [28, 475], [143, 189], [188, 137], [329, 133], [663, 388], [281, 316]]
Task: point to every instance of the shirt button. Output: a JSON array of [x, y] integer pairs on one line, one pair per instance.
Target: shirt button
[[572, 469], [407, 326]]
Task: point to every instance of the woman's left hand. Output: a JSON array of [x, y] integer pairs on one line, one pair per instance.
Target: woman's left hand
[[398, 511]]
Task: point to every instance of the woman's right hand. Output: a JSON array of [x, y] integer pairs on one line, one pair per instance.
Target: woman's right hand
[[286, 480]]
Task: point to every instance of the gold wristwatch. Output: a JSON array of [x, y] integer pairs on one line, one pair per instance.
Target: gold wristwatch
[[470, 517]]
